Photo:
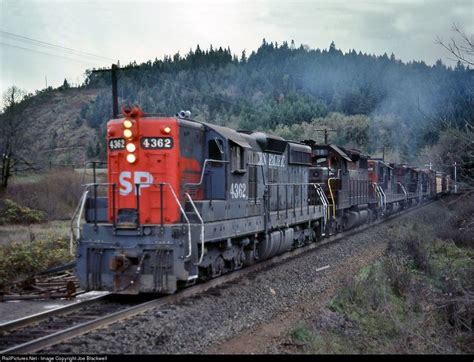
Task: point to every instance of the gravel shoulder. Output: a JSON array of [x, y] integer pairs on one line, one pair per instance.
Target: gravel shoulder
[[249, 315]]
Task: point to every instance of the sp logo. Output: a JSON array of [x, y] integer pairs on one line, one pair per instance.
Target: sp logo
[[128, 180]]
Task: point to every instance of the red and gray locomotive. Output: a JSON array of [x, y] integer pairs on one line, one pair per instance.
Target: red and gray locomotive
[[187, 201]]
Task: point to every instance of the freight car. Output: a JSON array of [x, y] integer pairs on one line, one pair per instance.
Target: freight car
[[187, 201]]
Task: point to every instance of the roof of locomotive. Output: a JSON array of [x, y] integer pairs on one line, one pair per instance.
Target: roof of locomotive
[[379, 160], [339, 150], [230, 134], [255, 140]]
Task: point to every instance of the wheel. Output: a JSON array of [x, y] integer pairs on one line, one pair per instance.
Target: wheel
[[218, 267], [238, 261]]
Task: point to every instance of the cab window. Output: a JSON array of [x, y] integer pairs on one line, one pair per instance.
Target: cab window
[[237, 159]]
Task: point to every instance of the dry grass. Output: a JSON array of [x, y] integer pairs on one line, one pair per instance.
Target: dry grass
[[21, 233], [56, 193]]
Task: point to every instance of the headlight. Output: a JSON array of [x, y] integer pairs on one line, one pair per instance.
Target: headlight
[[131, 147], [127, 133], [131, 158], [167, 130], [127, 123]]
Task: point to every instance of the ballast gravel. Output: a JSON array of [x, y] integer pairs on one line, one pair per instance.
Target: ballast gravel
[[197, 323]]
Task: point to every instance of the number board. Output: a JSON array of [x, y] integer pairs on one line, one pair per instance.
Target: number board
[[157, 143], [116, 144]]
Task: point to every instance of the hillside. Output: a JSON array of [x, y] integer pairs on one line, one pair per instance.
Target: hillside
[[55, 131]]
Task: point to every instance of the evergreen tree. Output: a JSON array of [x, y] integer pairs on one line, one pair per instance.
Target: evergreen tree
[[65, 84]]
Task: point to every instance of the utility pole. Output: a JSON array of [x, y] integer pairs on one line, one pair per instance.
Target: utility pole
[[383, 152], [455, 179], [326, 130], [113, 70], [114, 91]]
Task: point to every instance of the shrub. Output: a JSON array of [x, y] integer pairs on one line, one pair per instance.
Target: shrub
[[399, 277], [412, 242], [301, 334], [21, 260], [13, 213]]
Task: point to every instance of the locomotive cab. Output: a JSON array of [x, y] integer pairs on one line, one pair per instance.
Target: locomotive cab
[[380, 173]]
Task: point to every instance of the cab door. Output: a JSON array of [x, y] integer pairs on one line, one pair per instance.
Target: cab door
[[215, 178]]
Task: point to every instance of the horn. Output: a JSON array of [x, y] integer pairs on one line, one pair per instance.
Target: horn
[[132, 112], [126, 110]]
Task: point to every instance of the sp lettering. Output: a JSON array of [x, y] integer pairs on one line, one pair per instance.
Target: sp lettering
[[128, 181]]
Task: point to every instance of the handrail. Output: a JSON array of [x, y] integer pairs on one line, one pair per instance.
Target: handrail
[[332, 196], [97, 184], [381, 197], [384, 197], [404, 190], [180, 207], [77, 213], [377, 194], [293, 183], [325, 202], [206, 161], [202, 227], [93, 168]]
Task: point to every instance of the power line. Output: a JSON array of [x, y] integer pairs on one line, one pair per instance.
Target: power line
[[24, 38], [53, 55]]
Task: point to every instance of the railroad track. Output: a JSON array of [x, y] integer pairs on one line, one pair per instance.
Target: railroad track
[[38, 332]]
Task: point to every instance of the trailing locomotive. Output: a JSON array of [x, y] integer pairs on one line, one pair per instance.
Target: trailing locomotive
[[187, 201]]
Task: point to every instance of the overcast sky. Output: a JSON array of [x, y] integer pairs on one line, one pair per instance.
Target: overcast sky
[[141, 30]]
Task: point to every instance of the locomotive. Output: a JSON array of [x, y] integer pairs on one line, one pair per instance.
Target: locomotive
[[186, 201]]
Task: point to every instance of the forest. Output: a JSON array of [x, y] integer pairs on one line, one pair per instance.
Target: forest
[[408, 112], [372, 102]]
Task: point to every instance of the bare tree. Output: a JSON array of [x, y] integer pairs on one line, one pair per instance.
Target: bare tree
[[461, 48], [11, 134]]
